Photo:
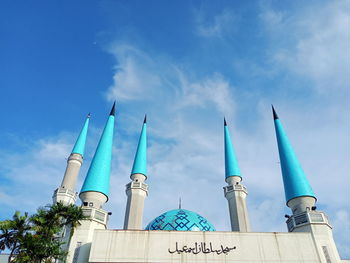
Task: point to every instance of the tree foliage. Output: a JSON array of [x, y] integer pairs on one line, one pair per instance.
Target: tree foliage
[[37, 239]]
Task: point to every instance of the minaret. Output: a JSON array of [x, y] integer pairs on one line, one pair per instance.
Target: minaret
[[137, 189], [66, 193], [93, 194], [298, 192], [235, 192], [301, 199]]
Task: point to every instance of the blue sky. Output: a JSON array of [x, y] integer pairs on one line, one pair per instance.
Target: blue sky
[[186, 64]]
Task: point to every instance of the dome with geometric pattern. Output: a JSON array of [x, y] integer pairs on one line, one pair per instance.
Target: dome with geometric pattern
[[180, 220]]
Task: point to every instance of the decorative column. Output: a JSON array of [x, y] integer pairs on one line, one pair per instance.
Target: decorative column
[[235, 192], [66, 193], [137, 189]]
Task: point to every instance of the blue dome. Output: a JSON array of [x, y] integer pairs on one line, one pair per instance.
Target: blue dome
[[180, 220]]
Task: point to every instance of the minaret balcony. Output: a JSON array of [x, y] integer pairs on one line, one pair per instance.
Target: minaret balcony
[[61, 190], [306, 218], [236, 187], [64, 195], [137, 185], [98, 215]]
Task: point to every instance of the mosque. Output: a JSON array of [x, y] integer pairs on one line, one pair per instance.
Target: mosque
[[184, 236]]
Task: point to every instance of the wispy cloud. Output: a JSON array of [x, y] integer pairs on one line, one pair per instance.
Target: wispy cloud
[[313, 42], [6, 199], [214, 89], [342, 231], [218, 25], [134, 78], [30, 176], [141, 76]]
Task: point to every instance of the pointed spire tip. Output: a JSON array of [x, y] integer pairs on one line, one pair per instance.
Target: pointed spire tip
[[89, 115], [275, 116], [113, 110], [145, 119], [225, 124]]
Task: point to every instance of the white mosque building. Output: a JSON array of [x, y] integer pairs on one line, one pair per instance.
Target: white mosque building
[[184, 236]]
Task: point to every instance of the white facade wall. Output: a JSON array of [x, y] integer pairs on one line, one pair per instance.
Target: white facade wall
[[156, 246], [4, 258]]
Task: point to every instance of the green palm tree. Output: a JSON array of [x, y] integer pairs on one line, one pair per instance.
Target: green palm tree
[[49, 223], [12, 233], [37, 239]]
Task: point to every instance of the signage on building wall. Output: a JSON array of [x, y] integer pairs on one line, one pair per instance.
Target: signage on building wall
[[201, 247]]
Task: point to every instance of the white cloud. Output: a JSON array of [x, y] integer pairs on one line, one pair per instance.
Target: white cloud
[[30, 176], [313, 42], [272, 18], [342, 221], [215, 89], [135, 77], [5, 198], [142, 77], [219, 25]]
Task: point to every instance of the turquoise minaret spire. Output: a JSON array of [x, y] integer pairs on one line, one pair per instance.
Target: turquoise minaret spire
[[231, 164], [79, 146], [294, 179], [140, 161], [97, 178], [66, 193]]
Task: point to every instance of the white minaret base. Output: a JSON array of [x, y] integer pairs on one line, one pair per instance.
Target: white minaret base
[[316, 222], [79, 246], [136, 191], [305, 218], [236, 194]]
